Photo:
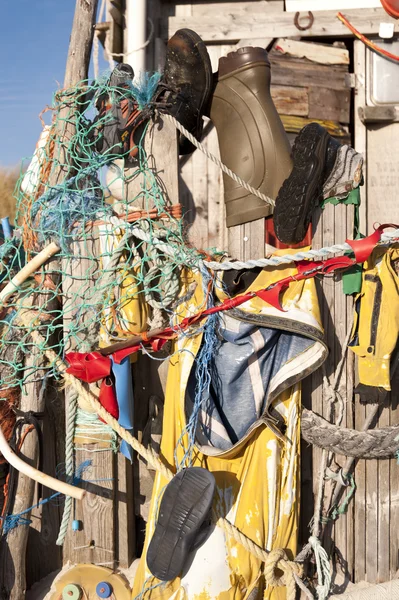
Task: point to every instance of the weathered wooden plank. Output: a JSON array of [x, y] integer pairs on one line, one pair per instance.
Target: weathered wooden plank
[[96, 540], [43, 555], [382, 181], [199, 229], [294, 72], [216, 225], [325, 103], [309, 494], [372, 549], [319, 53], [290, 100], [360, 131], [350, 415], [125, 533], [314, 5], [383, 506], [215, 197], [382, 174], [254, 239], [201, 9], [394, 484], [185, 194], [236, 26], [360, 471], [341, 324], [149, 376]]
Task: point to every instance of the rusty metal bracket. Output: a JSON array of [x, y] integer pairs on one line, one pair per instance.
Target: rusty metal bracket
[[309, 24]]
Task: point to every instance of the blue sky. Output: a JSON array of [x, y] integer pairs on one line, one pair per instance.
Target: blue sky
[[33, 48]]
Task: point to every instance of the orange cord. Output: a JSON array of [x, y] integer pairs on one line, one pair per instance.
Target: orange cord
[[366, 40]]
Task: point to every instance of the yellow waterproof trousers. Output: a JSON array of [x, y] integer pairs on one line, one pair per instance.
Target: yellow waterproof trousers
[[257, 479]]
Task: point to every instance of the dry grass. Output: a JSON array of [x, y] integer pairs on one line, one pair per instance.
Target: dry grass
[[8, 179]]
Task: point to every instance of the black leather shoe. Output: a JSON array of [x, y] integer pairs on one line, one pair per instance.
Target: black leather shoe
[[186, 86]]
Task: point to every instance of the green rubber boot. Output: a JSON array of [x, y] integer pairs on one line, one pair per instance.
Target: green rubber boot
[[252, 140]]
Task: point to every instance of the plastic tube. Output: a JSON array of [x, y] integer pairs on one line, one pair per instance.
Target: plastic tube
[[29, 471]]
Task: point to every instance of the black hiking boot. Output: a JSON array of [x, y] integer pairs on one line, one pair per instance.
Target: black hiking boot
[[314, 153], [186, 86]]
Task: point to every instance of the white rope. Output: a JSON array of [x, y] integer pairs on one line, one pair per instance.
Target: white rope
[[323, 568], [386, 239], [218, 162]]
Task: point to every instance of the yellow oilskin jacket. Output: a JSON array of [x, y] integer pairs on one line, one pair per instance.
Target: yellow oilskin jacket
[[257, 479], [376, 322]]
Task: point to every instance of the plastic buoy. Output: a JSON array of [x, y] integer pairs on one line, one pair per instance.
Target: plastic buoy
[[104, 589], [72, 592], [75, 525], [391, 7]]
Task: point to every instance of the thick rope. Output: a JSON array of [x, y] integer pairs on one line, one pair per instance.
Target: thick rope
[[69, 465], [290, 569], [386, 239], [373, 443], [217, 161], [277, 559]]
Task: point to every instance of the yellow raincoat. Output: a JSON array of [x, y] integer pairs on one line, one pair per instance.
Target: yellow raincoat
[[258, 477], [376, 325]]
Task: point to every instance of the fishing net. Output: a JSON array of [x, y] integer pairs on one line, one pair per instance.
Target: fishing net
[[84, 296]]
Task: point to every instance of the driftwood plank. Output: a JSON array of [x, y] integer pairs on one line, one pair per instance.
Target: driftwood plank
[[199, 229], [394, 487], [319, 53], [360, 471], [236, 26], [204, 9], [95, 541], [291, 100], [341, 324], [216, 224], [325, 103], [294, 72], [382, 183], [149, 376]]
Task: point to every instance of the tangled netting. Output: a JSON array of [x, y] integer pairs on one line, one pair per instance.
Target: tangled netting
[[84, 295]]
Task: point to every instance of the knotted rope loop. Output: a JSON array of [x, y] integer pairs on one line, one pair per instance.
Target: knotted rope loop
[[276, 561]]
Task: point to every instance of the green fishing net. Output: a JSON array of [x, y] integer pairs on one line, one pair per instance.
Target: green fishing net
[[83, 294]]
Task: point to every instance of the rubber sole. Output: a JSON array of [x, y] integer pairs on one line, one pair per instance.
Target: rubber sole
[[301, 191], [184, 508]]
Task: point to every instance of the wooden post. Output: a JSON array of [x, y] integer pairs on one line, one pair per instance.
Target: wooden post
[[46, 557], [160, 145]]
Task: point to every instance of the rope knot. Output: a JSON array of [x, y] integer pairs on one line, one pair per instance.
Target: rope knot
[[277, 560]]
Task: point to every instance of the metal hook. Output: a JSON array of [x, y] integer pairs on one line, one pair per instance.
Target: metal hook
[[310, 18]]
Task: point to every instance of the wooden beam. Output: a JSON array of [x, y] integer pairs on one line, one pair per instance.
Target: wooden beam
[[236, 26], [320, 53]]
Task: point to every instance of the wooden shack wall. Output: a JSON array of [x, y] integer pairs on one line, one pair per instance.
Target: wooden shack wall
[[365, 539]]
